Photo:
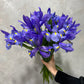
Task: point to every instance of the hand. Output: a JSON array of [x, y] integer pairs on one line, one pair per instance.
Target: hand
[[50, 65]]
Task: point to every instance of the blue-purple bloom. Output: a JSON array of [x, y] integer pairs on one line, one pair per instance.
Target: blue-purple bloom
[[66, 47], [56, 47], [57, 30]]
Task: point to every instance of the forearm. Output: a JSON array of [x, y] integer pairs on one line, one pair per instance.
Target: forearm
[[64, 78], [54, 72]]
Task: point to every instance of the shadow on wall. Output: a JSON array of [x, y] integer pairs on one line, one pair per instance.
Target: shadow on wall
[[32, 74]]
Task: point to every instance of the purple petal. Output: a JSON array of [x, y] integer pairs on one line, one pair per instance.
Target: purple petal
[[47, 36], [45, 48], [78, 31], [6, 33], [55, 37], [8, 45], [14, 30], [66, 47], [44, 54], [33, 52], [76, 25], [27, 21], [56, 47], [49, 11]]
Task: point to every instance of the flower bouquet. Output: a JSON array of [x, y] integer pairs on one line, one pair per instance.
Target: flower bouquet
[[43, 34]]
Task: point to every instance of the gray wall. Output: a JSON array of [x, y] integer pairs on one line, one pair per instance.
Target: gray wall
[[16, 67]]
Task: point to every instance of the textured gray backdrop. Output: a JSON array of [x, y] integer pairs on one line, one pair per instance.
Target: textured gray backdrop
[[16, 67]]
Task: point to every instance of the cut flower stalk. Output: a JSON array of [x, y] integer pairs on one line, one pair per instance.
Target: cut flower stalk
[[45, 72]]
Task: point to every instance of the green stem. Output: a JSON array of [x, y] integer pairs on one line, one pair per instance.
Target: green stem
[[46, 73], [69, 41], [58, 68]]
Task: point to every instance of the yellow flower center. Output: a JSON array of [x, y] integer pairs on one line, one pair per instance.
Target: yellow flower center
[[26, 30], [57, 26], [47, 34], [67, 26], [55, 33], [29, 53], [64, 30], [49, 49], [61, 35], [57, 47], [35, 29], [15, 33], [10, 38], [8, 44], [15, 41], [30, 39]]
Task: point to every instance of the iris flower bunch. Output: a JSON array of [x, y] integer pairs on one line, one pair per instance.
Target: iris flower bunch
[[45, 35]]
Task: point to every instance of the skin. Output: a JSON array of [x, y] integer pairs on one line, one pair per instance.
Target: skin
[[50, 66]]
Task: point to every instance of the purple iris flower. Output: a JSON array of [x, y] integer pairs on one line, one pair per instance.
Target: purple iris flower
[[62, 31], [27, 21], [18, 36], [45, 51], [71, 32], [70, 35], [44, 54], [66, 47], [31, 37], [38, 14], [45, 48], [13, 31], [8, 45], [55, 36], [38, 41], [25, 32], [47, 36], [56, 47], [57, 29], [36, 23], [47, 16], [8, 39], [48, 26], [33, 52], [12, 39], [24, 25]]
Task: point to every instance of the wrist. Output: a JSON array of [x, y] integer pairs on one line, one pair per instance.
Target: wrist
[[55, 72]]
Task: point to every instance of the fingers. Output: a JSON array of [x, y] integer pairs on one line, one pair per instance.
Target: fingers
[[44, 63]]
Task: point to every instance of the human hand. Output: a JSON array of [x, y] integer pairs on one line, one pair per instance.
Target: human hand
[[50, 65]]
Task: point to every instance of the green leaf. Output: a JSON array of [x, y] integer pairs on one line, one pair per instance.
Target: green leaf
[[51, 76], [58, 68], [26, 46], [41, 70], [26, 42], [48, 76]]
